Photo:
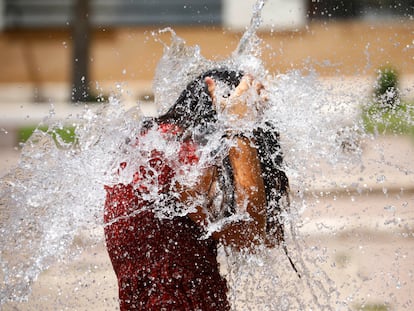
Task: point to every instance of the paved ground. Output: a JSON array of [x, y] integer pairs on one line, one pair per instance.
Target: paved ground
[[365, 266], [362, 238]]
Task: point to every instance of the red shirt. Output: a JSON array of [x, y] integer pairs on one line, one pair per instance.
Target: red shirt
[[161, 264]]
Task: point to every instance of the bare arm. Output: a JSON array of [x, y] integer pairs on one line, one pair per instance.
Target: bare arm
[[249, 187], [250, 194]]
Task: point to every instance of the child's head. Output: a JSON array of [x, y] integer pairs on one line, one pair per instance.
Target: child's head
[[194, 106]]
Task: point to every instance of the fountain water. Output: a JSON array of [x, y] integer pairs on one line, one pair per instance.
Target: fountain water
[[57, 189]]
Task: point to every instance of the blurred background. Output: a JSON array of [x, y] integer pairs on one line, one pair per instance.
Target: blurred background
[[62, 53], [75, 51], [71, 51], [67, 45]]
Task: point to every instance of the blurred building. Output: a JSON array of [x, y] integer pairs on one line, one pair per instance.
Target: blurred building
[[363, 9], [111, 13], [118, 13], [36, 39]]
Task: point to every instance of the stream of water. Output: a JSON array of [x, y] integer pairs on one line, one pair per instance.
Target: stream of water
[[57, 189]]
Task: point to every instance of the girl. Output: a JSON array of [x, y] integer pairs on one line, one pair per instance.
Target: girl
[[168, 263]]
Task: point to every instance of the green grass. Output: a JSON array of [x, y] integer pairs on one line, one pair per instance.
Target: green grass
[[66, 134], [372, 307], [396, 120]]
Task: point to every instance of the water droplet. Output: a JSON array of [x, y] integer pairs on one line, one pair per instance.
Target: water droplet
[[389, 208], [381, 179]]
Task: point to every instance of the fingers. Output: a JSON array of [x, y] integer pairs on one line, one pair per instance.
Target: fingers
[[259, 87], [248, 82], [261, 91], [211, 87], [237, 102], [244, 85]]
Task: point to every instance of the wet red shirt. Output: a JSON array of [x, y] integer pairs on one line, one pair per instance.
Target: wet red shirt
[[161, 264]]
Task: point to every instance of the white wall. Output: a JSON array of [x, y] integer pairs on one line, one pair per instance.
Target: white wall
[[277, 14]]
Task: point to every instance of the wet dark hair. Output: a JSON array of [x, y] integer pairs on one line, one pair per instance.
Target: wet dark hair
[[194, 106], [194, 109]]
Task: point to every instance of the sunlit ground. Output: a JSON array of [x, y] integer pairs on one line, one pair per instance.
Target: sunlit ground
[[358, 223]]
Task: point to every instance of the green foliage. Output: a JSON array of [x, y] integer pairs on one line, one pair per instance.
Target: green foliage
[[372, 307], [398, 120], [387, 113], [65, 134], [386, 92]]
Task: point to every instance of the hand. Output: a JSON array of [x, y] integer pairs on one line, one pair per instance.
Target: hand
[[244, 103]]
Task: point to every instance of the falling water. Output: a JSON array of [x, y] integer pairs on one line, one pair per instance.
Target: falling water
[[57, 189]]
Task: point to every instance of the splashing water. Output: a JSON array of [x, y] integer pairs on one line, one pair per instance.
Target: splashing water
[[57, 189]]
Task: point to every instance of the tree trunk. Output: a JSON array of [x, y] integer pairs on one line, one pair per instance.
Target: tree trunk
[[81, 41]]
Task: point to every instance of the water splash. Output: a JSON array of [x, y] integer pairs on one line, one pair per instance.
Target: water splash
[[249, 43], [167, 90], [56, 191]]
